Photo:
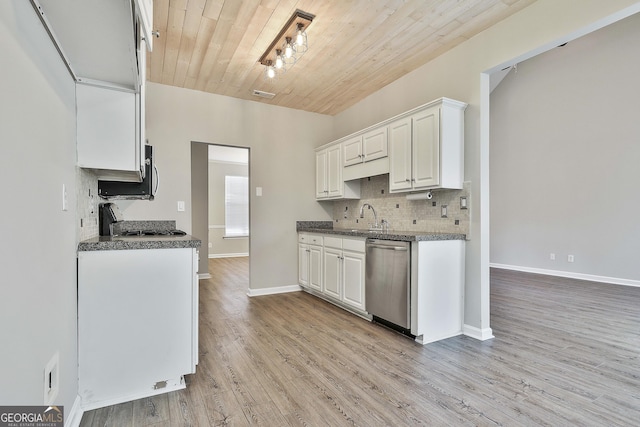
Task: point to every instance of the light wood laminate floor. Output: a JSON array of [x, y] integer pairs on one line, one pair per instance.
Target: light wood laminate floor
[[566, 352]]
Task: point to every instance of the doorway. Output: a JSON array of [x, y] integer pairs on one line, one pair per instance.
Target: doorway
[[228, 195], [220, 201]]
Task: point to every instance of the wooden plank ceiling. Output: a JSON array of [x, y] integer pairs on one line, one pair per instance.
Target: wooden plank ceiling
[[355, 46]]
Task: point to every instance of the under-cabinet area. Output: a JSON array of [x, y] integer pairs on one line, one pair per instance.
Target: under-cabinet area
[[332, 265]]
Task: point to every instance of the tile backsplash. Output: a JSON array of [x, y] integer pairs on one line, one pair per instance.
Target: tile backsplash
[[403, 214], [88, 200]]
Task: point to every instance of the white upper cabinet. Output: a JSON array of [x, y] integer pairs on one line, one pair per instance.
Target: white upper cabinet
[[104, 44], [352, 149], [369, 146], [322, 184], [427, 148], [96, 37], [420, 149], [106, 130], [329, 181], [374, 144], [400, 155]]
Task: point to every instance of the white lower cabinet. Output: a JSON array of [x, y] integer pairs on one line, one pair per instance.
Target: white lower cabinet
[[353, 273], [333, 267], [333, 272], [137, 323], [343, 271], [310, 261], [437, 289]]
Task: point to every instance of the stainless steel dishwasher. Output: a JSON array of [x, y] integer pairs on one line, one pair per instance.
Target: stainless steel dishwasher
[[388, 294]]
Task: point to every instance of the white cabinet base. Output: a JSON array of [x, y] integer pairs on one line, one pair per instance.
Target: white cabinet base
[[172, 384], [437, 289], [136, 327]]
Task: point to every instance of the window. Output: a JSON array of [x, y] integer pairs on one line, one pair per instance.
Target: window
[[236, 206]]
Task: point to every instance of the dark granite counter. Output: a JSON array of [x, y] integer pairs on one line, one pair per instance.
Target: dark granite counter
[[399, 235], [113, 243]]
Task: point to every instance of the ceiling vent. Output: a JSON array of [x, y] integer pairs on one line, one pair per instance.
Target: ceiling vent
[[263, 94]]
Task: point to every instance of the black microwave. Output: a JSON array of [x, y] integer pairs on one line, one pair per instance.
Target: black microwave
[[145, 190]]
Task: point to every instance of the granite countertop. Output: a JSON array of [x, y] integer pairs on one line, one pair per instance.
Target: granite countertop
[[325, 227], [113, 243]]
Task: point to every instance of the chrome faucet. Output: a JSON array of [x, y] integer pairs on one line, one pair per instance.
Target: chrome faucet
[[375, 216]]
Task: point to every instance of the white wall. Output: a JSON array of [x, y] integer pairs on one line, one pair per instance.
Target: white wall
[[282, 143], [457, 74], [38, 244], [565, 157]]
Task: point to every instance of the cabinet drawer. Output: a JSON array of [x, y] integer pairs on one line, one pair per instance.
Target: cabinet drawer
[[333, 242], [312, 239], [354, 245], [315, 240]]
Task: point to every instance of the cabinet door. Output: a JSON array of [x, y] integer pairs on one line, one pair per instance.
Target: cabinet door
[[352, 150], [400, 155], [315, 267], [332, 272], [374, 144], [321, 175], [144, 10], [195, 324], [303, 265], [426, 148], [353, 279], [334, 171], [106, 129]]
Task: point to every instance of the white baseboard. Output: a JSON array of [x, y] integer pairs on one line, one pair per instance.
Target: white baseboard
[[569, 274], [231, 255], [204, 276], [74, 416], [477, 333], [273, 291]]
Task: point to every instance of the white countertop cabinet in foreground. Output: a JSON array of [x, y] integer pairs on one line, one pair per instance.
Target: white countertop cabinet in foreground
[[137, 323]]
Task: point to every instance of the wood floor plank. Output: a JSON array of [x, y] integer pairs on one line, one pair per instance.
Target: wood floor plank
[[565, 352]]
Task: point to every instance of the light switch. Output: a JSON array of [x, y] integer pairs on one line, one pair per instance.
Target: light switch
[[180, 206], [258, 191]]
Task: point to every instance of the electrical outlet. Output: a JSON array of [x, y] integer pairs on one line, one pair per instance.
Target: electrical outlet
[[51, 380], [570, 258], [443, 211], [552, 256]]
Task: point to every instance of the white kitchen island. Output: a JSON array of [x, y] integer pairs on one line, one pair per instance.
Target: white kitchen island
[[137, 317]]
